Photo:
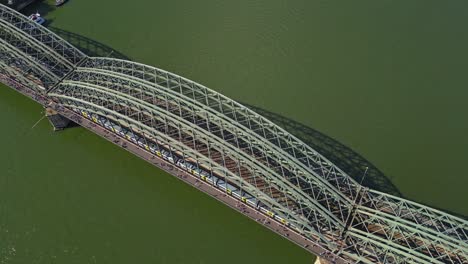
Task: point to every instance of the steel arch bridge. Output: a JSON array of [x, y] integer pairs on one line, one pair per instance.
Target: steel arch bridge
[[237, 146]]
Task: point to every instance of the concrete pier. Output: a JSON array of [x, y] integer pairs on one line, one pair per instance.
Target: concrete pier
[[57, 121], [321, 261]]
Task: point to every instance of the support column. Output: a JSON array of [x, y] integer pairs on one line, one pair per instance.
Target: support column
[[56, 120], [321, 261]]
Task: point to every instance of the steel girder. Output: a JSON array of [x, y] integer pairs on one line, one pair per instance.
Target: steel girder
[[218, 105], [410, 229], [316, 163], [394, 237], [316, 195], [166, 128], [38, 77], [139, 109], [50, 56], [390, 251], [13, 74], [44, 54], [444, 224], [232, 141], [42, 35]]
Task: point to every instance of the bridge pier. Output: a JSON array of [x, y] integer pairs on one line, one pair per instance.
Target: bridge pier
[[321, 261], [57, 121]]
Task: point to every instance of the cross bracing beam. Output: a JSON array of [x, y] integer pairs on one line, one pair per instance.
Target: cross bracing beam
[[283, 157], [19, 53], [41, 35], [180, 106], [420, 228], [15, 74], [27, 65], [317, 164], [88, 76], [388, 254], [403, 235], [362, 249], [50, 56], [164, 115], [44, 54], [224, 129], [100, 107], [453, 228], [240, 146], [378, 249], [40, 59], [399, 226], [104, 101]]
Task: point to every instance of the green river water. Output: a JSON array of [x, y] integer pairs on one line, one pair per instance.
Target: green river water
[[387, 79]]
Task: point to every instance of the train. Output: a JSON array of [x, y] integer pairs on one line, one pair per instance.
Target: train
[[156, 147]]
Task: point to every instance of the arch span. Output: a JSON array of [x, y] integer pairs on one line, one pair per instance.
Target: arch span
[[203, 131]]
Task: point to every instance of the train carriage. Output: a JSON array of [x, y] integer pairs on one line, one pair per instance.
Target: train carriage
[[101, 120], [168, 156], [184, 164], [204, 175], [108, 125], [197, 172], [153, 147], [84, 113], [94, 117], [131, 136], [141, 142], [121, 132]]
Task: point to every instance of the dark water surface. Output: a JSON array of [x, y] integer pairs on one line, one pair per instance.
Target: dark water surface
[[385, 78]]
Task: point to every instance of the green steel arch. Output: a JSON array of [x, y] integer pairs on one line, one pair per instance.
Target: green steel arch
[[299, 184], [35, 51]]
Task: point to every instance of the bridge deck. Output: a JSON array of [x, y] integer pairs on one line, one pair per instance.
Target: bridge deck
[[293, 182], [188, 178]]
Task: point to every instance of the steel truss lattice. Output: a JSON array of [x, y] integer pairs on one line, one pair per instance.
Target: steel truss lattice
[[48, 58], [242, 147]]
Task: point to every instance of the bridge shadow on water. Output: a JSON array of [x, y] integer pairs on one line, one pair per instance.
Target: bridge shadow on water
[[89, 46], [345, 158]]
